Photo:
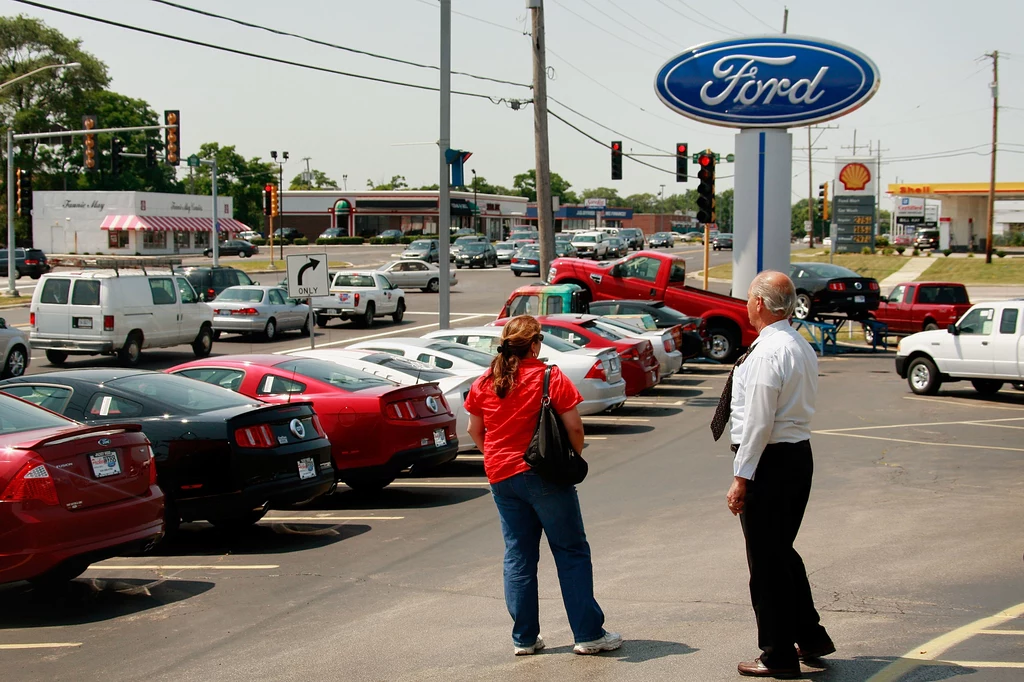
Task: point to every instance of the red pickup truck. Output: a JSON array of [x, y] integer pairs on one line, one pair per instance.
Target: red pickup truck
[[654, 276], [920, 306]]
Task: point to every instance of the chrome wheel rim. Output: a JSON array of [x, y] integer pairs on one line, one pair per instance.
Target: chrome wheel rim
[[920, 376], [719, 347], [16, 363], [803, 306], [269, 331]]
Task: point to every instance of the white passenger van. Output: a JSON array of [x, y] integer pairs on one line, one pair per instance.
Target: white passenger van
[[117, 311]]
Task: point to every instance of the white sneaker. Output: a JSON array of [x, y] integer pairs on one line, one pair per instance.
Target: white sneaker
[[529, 650], [610, 642]]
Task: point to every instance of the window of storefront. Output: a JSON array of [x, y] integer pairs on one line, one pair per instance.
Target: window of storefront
[[117, 239], [202, 240], [154, 239], [181, 240]]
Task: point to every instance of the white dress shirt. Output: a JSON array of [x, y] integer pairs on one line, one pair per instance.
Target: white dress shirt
[[773, 393]]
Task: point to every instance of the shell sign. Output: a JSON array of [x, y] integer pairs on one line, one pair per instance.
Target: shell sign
[[855, 177]]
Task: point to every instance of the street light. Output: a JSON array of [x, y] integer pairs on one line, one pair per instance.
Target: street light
[[71, 65], [476, 222], [280, 193]]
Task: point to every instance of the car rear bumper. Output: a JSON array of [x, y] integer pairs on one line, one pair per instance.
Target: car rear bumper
[[901, 366], [418, 458], [238, 324], [532, 269], [273, 495], [671, 363], [599, 396], [71, 345]]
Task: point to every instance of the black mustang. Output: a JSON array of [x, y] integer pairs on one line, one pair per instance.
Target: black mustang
[[827, 288], [220, 456]]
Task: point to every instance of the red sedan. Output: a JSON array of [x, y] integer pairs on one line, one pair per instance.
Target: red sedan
[[640, 367], [377, 428], [71, 495]]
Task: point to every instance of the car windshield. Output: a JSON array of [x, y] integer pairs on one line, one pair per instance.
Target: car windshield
[[664, 235], [504, 246], [185, 395], [241, 295], [420, 370], [419, 246], [334, 374], [477, 357], [467, 240], [585, 238], [475, 247], [341, 280], [16, 416], [828, 271], [529, 253]]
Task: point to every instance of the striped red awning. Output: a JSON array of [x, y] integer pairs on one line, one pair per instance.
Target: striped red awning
[[169, 224]]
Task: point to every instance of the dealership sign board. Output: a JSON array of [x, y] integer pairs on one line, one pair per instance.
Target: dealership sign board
[[767, 82]]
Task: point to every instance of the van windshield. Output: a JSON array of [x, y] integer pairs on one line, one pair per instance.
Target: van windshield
[[584, 238]]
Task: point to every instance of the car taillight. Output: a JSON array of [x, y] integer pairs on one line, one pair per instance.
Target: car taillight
[[515, 260], [31, 261], [249, 312], [403, 409], [255, 437], [33, 482], [533, 262], [669, 345], [837, 286], [108, 323], [631, 354], [597, 372], [31, 319], [152, 466], [873, 286], [211, 294], [318, 427]]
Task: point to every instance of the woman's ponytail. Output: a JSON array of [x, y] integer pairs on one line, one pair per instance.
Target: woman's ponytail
[[517, 338]]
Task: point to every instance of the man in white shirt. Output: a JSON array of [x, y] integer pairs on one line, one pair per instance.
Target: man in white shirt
[[770, 395]]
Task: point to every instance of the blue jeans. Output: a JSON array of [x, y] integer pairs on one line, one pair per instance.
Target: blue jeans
[[528, 504]]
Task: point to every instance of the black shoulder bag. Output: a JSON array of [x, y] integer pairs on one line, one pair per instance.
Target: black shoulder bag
[[550, 453]]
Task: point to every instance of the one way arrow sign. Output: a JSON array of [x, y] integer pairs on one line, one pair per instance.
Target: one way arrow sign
[[307, 275]]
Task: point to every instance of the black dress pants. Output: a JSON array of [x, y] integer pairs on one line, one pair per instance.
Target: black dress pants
[[779, 591]]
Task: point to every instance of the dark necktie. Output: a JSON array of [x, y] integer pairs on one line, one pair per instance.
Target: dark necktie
[[724, 409]]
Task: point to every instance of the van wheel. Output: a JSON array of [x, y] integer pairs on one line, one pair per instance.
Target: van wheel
[[270, 331], [56, 357], [367, 319], [131, 351], [400, 311], [17, 361], [17, 273], [203, 344]]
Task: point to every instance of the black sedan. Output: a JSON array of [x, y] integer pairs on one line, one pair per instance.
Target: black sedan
[[220, 456], [564, 249], [722, 241], [477, 254], [827, 288], [694, 341], [664, 239], [234, 247]]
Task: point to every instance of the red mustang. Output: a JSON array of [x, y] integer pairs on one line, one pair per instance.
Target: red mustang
[[640, 367], [376, 427], [70, 494]]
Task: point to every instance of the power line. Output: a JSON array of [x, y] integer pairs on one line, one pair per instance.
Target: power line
[[482, 21], [604, 30], [622, 135], [254, 55], [335, 46], [690, 19], [712, 20], [650, 28], [605, 14], [740, 5]]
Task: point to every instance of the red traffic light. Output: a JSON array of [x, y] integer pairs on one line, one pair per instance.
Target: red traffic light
[[268, 188], [704, 160], [616, 146], [681, 149]]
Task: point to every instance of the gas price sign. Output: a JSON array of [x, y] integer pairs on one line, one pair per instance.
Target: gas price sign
[[854, 216]]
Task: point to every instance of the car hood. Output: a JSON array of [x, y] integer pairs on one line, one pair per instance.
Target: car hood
[[935, 336]]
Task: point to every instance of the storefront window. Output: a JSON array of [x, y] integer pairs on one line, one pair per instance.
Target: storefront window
[[154, 239], [117, 239], [202, 240], [181, 240]]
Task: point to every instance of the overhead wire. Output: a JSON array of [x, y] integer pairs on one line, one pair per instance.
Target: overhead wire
[[690, 19], [323, 43], [604, 30], [628, 28], [671, 40], [711, 19], [608, 128], [757, 18]]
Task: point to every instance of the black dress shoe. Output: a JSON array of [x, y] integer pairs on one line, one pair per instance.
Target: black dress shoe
[[756, 668], [815, 652]]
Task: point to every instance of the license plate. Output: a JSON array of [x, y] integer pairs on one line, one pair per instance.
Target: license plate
[[858, 299], [83, 323], [307, 468], [104, 464], [439, 438]]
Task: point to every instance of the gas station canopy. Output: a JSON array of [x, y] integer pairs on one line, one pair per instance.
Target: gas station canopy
[[943, 190]]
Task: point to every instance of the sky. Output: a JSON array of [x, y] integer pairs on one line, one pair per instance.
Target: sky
[[602, 56]]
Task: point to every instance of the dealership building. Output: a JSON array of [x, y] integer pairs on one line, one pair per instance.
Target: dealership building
[[128, 223]]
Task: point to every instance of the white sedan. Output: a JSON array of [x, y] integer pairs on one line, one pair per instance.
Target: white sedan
[[596, 372], [403, 371], [14, 344], [253, 309], [434, 352], [416, 274]]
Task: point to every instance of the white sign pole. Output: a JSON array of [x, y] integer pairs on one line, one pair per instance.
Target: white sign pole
[[312, 325]]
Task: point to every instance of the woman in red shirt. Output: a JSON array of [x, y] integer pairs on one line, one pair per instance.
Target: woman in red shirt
[[504, 405]]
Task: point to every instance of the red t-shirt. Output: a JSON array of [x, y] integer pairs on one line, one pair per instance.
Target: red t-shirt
[[511, 421]]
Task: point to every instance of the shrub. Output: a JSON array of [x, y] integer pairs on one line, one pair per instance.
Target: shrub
[[338, 240], [916, 251], [384, 240], [1001, 253], [881, 241], [900, 249], [927, 254], [257, 241], [946, 252], [888, 251], [970, 254], [301, 241], [867, 251], [408, 239]]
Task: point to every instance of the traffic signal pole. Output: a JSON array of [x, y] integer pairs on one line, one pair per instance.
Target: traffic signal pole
[[444, 203], [545, 218]]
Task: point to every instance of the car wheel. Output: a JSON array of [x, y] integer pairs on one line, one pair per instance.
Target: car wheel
[[56, 357], [400, 312], [306, 326], [207, 253], [517, 273], [434, 286], [57, 577], [803, 306], [368, 315], [931, 326], [17, 361], [1019, 385], [131, 351], [458, 267], [322, 320], [238, 522], [869, 335], [216, 335], [270, 330], [203, 343], [17, 273], [724, 344], [986, 386], [923, 376], [368, 484]]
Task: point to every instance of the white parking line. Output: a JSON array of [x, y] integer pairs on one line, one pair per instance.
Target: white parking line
[[40, 645], [979, 422], [598, 417], [654, 403], [367, 337], [919, 442], [969, 403], [185, 567], [331, 518]]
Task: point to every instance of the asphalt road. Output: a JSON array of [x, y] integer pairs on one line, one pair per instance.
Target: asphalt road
[[913, 535]]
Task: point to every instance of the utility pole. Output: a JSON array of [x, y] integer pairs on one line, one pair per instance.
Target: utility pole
[[994, 56], [810, 177], [309, 175], [545, 219], [444, 203], [854, 147], [785, 19], [878, 187]]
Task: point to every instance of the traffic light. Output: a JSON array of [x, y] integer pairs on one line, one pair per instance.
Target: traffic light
[[24, 191], [89, 122], [116, 147], [150, 156], [268, 199], [617, 160], [823, 197], [172, 137], [275, 201], [706, 188], [682, 171]]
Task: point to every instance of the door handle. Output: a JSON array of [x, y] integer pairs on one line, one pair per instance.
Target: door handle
[[984, 343], [652, 292]]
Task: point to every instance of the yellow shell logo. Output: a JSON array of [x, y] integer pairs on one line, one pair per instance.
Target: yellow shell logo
[[855, 177]]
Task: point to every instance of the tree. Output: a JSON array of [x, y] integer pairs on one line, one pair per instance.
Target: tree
[[799, 215], [397, 182], [480, 184], [525, 185], [317, 180], [681, 202], [642, 203], [608, 193], [723, 210], [237, 178]]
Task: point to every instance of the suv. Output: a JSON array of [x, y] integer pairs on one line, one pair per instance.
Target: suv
[[927, 239], [423, 249], [288, 233], [210, 281], [633, 236], [31, 262]]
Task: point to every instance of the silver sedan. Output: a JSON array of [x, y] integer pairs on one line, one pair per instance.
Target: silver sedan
[[264, 310], [415, 274]]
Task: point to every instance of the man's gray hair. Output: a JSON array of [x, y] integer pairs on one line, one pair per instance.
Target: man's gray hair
[[777, 291]]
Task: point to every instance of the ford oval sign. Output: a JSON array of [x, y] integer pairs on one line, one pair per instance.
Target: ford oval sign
[[767, 82]]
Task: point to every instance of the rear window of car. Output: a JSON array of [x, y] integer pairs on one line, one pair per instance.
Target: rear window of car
[[86, 292], [354, 281], [184, 394], [477, 357], [828, 271], [55, 291], [230, 379], [333, 374], [241, 295], [475, 247], [942, 294], [420, 246], [603, 332], [406, 366], [18, 416]]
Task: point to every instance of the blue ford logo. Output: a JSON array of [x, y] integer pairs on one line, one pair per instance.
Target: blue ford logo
[[103, 441], [767, 82]]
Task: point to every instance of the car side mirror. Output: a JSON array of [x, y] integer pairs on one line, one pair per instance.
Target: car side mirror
[[953, 329], [3, 323], [615, 271]]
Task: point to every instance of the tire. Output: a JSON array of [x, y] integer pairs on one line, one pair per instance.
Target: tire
[[207, 253], [869, 335], [131, 352], [17, 362], [400, 312], [804, 306], [930, 326], [434, 286], [322, 320], [517, 273], [987, 386], [458, 267], [59, 576], [56, 357], [368, 484], [238, 522], [724, 344], [367, 319], [923, 376], [17, 273], [306, 326], [270, 330], [1018, 385], [203, 343], [216, 335]]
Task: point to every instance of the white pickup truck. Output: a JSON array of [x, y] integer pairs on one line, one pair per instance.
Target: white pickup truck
[[985, 347], [361, 296]]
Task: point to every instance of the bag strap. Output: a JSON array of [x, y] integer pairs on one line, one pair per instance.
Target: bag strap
[[546, 399]]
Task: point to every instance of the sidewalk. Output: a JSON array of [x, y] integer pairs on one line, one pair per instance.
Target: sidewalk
[[915, 267]]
